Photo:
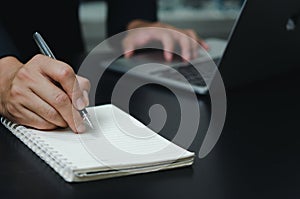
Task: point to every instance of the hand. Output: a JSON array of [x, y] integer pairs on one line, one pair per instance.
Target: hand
[[29, 96], [140, 37]]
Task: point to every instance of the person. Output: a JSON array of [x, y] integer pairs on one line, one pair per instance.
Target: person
[[28, 94]]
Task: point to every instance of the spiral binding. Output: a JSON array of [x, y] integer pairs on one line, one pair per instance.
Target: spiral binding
[[59, 163]]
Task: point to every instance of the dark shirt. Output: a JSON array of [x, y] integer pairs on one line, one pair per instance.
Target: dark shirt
[[7, 46], [58, 22]]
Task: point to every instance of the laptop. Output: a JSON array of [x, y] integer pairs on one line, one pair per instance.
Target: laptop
[[264, 42]]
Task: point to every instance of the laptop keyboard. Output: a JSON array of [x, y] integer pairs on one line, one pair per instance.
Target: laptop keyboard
[[192, 75], [187, 71]]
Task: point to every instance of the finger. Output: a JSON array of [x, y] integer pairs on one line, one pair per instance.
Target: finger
[[26, 117], [168, 45], [203, 44], [186, 47], [61, 102], [64, 75], [35, 104], [21, 97], [85, 86], [58, 99], [84, 83], [35, 121], [194, 43], [128, 54], [86, 98]]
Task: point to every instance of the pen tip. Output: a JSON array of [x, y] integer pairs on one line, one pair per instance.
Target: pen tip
[[87, 119]]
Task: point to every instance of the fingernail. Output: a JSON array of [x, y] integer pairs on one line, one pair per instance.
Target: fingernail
[[128, 54], [168, 56], [86, 97], [80, 104], [205, 45]]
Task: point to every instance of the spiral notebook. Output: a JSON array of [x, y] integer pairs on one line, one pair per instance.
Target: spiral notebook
[[120, 145]]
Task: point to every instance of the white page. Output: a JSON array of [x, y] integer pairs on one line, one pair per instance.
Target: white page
[[119, 140]]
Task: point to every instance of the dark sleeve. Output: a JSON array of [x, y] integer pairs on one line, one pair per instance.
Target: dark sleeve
[[121, 12], [6, 45]]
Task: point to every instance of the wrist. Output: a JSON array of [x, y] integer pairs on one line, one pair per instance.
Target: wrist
[[138, 23], [9, 66]]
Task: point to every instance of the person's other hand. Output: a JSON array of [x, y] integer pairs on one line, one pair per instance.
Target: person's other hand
[[140, 37], [29, 96]]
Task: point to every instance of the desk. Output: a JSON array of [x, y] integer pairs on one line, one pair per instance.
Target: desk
[[257, 156]]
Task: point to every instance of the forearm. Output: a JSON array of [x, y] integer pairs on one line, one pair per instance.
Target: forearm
[[129, 10]]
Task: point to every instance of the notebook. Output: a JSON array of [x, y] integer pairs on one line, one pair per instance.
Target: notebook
[[120, 145]]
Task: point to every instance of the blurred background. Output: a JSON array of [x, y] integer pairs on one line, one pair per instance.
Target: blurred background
[[209, 18]]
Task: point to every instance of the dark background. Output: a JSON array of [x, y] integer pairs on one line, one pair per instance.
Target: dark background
[[257, 155]]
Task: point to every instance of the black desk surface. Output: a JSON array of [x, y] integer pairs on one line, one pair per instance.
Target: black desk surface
[[257, 156]]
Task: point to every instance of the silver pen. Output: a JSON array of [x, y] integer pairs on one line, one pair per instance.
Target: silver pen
[[46, 51]]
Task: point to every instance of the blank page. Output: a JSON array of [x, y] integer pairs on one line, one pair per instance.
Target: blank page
[[118, 141]]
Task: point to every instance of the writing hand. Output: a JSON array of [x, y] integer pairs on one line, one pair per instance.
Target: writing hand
[[29, 96]]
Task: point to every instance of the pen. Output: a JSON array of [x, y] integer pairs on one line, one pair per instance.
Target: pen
[[46, 51]]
